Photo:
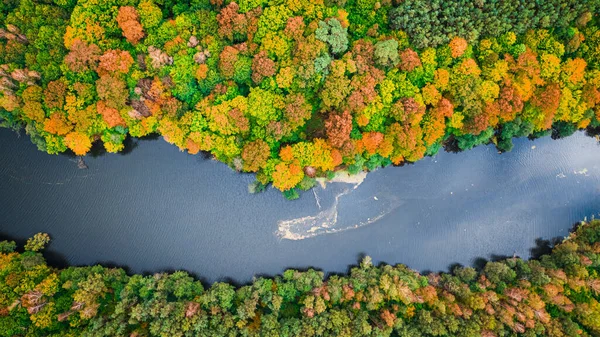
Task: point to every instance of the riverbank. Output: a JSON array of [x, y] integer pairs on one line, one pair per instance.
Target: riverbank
[[344, 177], [560, 292], [294, 91]]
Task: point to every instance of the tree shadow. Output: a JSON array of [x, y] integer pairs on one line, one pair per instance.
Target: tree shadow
[[129, 144], [543, 247], [451, 145], [592, 131], [52, 257], [479, 263], [451, 268]]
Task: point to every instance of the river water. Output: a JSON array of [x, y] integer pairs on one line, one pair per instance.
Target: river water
[[157, 209]]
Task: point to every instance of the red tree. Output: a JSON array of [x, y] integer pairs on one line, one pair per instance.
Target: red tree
[[115, 60], [128, 20], [409, 60]]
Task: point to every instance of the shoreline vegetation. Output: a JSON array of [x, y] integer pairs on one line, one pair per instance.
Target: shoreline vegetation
[[296, 90], [557, 294]]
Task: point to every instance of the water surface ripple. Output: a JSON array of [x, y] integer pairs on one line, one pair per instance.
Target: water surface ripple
[[157, 209]]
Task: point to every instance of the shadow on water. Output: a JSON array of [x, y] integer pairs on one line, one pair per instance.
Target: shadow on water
[[592, 132], [153, 216], [544, 247], [480, 262], [451, 268], [53, 258], [451, 145], [98, 149]]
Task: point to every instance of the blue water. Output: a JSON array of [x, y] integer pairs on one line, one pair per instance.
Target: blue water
[[157, 209]]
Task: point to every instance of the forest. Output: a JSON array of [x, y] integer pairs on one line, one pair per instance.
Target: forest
[[555, 295], [296, 89]]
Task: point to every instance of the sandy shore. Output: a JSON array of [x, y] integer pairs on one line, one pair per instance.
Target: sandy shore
[[344, 177]]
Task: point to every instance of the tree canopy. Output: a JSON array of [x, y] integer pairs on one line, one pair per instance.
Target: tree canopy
[[358, 82], [555, 295]]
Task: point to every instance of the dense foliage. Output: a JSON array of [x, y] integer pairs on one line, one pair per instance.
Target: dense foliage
[[294, 89], [435, 22], [557, 295]]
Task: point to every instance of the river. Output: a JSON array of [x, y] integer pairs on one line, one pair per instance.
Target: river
[[158, 209]]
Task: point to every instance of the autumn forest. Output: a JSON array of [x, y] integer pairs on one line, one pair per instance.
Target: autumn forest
[[556, 295], [293, 90]]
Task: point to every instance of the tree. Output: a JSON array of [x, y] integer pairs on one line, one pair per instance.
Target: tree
[[7, 247], [371, 141], [34, 111], [85, 298], [113, 61], [287, 176], [37, 242], [574, 71], [297, 110], [227, 61], [409, 60], [332, 32], [262, 67], [232, 24], [386, 53], [78, 142], [110, 115], [57, 124], [264, 106], [112, 90], [336, 87], [54, 94], [498, 272], [510, 103], [255, 155], [338, 128], [82, 56], [128, 20], [458, 46]]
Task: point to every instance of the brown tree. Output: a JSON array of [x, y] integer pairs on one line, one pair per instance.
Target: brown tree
[[255, 155], [338, 128], [82, 56], [227, 60], [54, 94], [230, 21], [262, 67], [112, 90], [297, 110]]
